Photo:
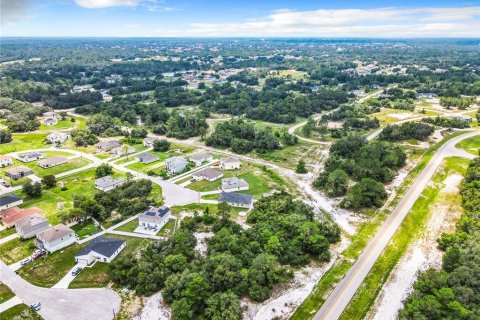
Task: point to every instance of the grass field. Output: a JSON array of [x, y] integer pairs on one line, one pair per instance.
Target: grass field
[[6, 232], [20, 312], [85, 229], [169, 226], [97, 276], [471, 145], [410, 229], [5, 293], [41, 172], [16, 250], [288, 156], [64, 124], [24, 141], [129, 226]]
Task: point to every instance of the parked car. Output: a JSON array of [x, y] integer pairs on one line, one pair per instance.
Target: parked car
[[24, 262], [38, 254], [36, 306], [76, 271]]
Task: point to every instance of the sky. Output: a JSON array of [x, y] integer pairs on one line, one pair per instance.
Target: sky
[[249, 18]]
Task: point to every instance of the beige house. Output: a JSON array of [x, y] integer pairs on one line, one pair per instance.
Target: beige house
[[52, 162], [55, 238]]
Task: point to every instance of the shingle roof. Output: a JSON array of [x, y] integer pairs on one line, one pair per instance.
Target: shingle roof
[[56, 232], [53, 161], [108, 181], [233, 182], [153, 214], [9, 198], [31, 221], [208, 173], [101, 245], [17, 170], [229, 160], [18, 215], [239, 198], [147, 157], [199, 157]]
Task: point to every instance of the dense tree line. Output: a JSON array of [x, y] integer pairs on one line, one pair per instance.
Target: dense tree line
[[405, 131], [20, 116], [454, 291], [453, 102], [239, 262], [73, 100], [447, 122]]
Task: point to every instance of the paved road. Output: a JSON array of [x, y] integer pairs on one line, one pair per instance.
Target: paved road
[[61, 304], [344, 291]]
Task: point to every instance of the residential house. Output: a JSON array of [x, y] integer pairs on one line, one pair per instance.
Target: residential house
[[55, 238], [146, 158], [236, 199], [5, 161], [32, 156], [100, 249], [52, 162], [12, 215], [175, 165], [29, 227], [207, 174], [122, 150], [230, 163], [463, 118], [155, 217], [56, 137], [200, 158], [107, 145], [18, 172], [425, 95], [10, 200], [148, 141], [108, 183], [234, 184], [50, 118]]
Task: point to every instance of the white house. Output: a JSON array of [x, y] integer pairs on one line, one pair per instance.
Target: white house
[[55, 238], [5, 161], [175, 165], [236, 199], [148, 141], [52, 162], [32, 156], [50, 118], [122, 150], [100, 249], [108, 183], [29, 226], [230, 163], [57, 137], [234, 184], [200, 158], [155, 217]]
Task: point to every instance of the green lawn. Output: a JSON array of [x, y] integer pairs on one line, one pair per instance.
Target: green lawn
[[5, 293], [129, 226], [169, 226], [47, 271], [62, 124], [97, 276], [154, 166], [288, 156], [16, 250], [410, 229], [24, 141], [471, 145], [20, 312], [41, 172], [85, 229], [6, 232]]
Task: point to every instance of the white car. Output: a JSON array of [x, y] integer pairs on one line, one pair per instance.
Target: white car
[[24, 262]]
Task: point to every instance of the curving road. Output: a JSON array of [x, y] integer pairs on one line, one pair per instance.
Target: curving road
[[344, 291]]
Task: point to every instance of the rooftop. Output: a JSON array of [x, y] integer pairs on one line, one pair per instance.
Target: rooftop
[[229, 160], [31, 221], [17, 170], [208, 173], [101, 245], [55, 232], [233, 182], [108, 181], [9, 198], [235, 198]]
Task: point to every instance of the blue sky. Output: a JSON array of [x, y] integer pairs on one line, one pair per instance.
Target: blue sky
[[259, 18]]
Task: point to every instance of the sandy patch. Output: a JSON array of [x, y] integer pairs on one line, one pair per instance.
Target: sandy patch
[[201, 246], [401, 116], [452, 182], [154, 309]]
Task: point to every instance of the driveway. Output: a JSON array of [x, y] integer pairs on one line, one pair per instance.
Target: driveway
[[10, 303], [61, 304], [65, 281]]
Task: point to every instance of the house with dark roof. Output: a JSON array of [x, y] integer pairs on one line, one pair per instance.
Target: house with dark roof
[[236, 199], [146, 157], [29, 227], [108, 183], [100, 249], [207, 174], [10, 200], [154, 217], [16, 173], [31, 156], [234, 184]]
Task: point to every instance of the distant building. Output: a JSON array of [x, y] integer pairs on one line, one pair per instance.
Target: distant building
[[207, 174], [55, 238], [146, 158], [50, 118], [31, 156], [29, 227], [425, 95], [122, 150], [12, 215], [148, 141], [107, 145], [52, 162], [108, 183], [236, 199], [5, 161], [175, 165], [56, 137], [234, 184], [230, 163], [200, 158], [100, 249], [463, 118], [18, 172], [155, 217], [9, 201]]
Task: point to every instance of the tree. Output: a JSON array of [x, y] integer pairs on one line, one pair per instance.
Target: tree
[[83, 137], [366, 193], [103, 170], [337, 183], [161, 145], [223, 306], [49, 181], [5, 136], [301, 167], [224, 210], [33, 190]]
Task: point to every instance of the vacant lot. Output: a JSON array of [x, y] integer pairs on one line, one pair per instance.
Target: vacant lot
[[20, 312], [5, 293], [15, 250], [41, 172], [85, 229], [471, 145], [24, 141]]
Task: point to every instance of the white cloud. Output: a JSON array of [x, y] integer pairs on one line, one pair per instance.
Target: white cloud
[[378, 22], [12, 11], [95, 4]]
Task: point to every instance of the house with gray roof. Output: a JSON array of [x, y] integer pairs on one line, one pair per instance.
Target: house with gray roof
[[230, 163], [207, 174], [50, 118], [234, 184], [122, 150], [29, 227], [148, 141], [16, 173], [108, 183], [100, 249], [175, 165], [57, 137], [107, 145], [52, 162], [9, 201], [55, 238], [154, 217], [32, 156], [200, 158], [146, 157], [236, 199]]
